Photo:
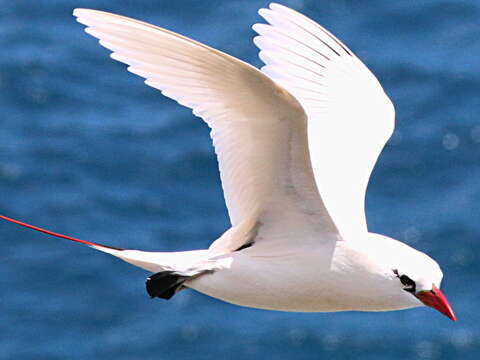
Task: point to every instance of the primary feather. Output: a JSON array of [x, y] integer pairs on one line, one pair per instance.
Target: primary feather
[[349, 116]]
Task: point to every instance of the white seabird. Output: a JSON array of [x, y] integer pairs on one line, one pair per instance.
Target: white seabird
[[296, 143]]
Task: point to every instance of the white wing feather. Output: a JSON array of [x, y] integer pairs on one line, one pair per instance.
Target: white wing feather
[[258, 129], [349, 116]]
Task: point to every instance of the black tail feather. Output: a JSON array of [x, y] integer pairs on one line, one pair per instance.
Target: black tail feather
[[165, 284]]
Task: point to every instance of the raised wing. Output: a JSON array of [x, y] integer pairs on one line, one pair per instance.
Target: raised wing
[[349, 116], [258, 129]]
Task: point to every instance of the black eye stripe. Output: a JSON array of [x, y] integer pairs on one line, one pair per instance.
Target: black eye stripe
[[405, 280], [409, 284]]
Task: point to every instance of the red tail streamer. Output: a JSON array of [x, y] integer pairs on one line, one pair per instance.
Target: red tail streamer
[[48, 232]]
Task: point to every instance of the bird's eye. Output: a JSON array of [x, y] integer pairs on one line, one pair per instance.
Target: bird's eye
[[409, 284]]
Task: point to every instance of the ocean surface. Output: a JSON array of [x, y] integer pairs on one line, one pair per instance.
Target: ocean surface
[[88, 150]]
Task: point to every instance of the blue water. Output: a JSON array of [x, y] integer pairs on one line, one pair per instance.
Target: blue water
[[86, 149]]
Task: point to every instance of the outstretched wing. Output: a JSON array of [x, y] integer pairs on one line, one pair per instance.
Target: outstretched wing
[[350, 118], [258, 129]]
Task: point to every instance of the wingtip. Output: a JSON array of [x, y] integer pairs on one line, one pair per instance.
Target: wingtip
[[78, 11], [263, 12], [274, 5], [282, 9], [84, 12], [256, 26], [270, 7]]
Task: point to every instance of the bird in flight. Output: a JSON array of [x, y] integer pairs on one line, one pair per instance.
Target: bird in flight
[[296, 143]]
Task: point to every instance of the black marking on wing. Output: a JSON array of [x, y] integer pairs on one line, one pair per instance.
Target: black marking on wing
[[245, 246]]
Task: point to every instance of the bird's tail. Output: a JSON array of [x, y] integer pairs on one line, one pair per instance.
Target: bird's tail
[[171, 269]]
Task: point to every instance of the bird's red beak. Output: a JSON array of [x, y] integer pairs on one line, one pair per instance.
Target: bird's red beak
[[435, 299]]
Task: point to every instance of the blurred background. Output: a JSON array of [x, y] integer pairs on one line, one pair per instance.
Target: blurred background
[[88, 150]]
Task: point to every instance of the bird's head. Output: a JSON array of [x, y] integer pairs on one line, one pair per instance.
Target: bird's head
[[421, 277], [412, 276]]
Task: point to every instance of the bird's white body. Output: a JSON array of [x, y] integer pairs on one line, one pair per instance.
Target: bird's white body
[[296, 143], [322, 278]]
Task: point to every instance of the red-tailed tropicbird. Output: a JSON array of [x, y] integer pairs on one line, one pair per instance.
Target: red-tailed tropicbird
[[296, 143]]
